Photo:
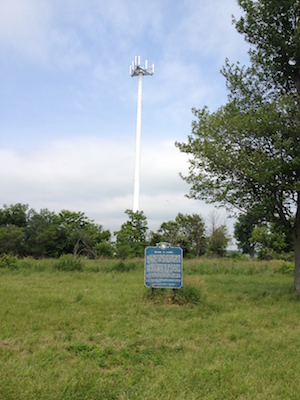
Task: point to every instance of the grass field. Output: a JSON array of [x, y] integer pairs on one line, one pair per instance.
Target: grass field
[[233, 332]]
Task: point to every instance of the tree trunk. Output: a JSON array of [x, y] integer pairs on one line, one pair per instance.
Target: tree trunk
[[296, 237], [76, 247], [251, 252], [297, 264]]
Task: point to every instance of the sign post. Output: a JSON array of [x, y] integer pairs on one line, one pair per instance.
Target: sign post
[[163, 266]]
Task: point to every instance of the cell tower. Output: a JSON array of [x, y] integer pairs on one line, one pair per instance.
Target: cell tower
[[137, 70]]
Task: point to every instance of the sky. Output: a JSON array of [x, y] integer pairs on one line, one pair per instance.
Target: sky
[[68, 103]]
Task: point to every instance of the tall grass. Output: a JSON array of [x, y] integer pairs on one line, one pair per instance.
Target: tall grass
[[231, 333]]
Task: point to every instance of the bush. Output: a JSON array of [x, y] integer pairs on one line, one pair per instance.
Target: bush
[[285, 267], [8, 261], [67, 262], [27, 263], [105, 250]]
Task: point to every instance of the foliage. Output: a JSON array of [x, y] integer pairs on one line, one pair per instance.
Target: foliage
[[218, 238], [243, 229], [105, 249], [14, 215], [192, 227], [47, 234], [131, 239], [12, 239], [273, 241], [245, 155], [8, 261], [68, 262], [187, 231], [43, 238], [218, 241], [285, 267], [25, 232]]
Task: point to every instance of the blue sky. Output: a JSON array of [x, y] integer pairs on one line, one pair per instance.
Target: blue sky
[[68, 103]]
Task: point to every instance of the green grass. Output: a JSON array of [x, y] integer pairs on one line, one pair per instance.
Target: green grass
[[232, 332]]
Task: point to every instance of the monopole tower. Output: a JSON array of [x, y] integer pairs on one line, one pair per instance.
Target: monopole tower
[[136, 69]]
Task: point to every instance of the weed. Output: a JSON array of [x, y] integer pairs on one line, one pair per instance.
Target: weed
[[67, 262], [188, 295], [121, 266], [8, 261], [285, 267], [79, 297]]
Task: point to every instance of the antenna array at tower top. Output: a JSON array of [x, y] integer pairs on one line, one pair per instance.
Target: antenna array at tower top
[[136, 68]]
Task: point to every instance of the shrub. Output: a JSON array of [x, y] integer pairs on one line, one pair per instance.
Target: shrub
[[285, 267], [27, 263], [67, 262], [8, 261]]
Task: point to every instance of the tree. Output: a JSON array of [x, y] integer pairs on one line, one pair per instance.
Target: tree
[[131, 238], [187, 231], [169, 232], [192, 227], [218, 238], [11, 240], [243, 229], [246, 154], [273, 241], [13, 220], [15, 214], [81, 235], [42, 232]]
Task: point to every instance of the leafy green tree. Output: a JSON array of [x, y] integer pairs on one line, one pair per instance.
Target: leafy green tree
[[26, 232], [155, 238], [13, 220], [187, 231], [218, 238], [42, 234], [243, 229], [218, 241], [131, 239], [246, 154], [273, 241], [15, 214], [169, 232], [95, 241], [80, 235], [12, 240], [192, 227]]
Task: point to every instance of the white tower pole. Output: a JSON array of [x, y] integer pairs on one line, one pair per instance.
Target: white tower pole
[[137, 70], [136, 183]]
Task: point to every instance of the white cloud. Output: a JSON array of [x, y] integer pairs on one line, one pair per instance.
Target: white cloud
[[23, 27], [96, 176]]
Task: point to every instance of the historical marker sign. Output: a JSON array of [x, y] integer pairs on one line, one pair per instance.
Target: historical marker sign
[[163, 266]]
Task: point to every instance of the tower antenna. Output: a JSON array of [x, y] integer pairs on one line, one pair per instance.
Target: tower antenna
[[136, 69]]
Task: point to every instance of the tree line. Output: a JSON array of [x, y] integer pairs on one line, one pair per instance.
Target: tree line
[[25, 232]]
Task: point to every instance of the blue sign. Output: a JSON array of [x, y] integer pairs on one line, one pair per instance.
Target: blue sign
[[163, 266]]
